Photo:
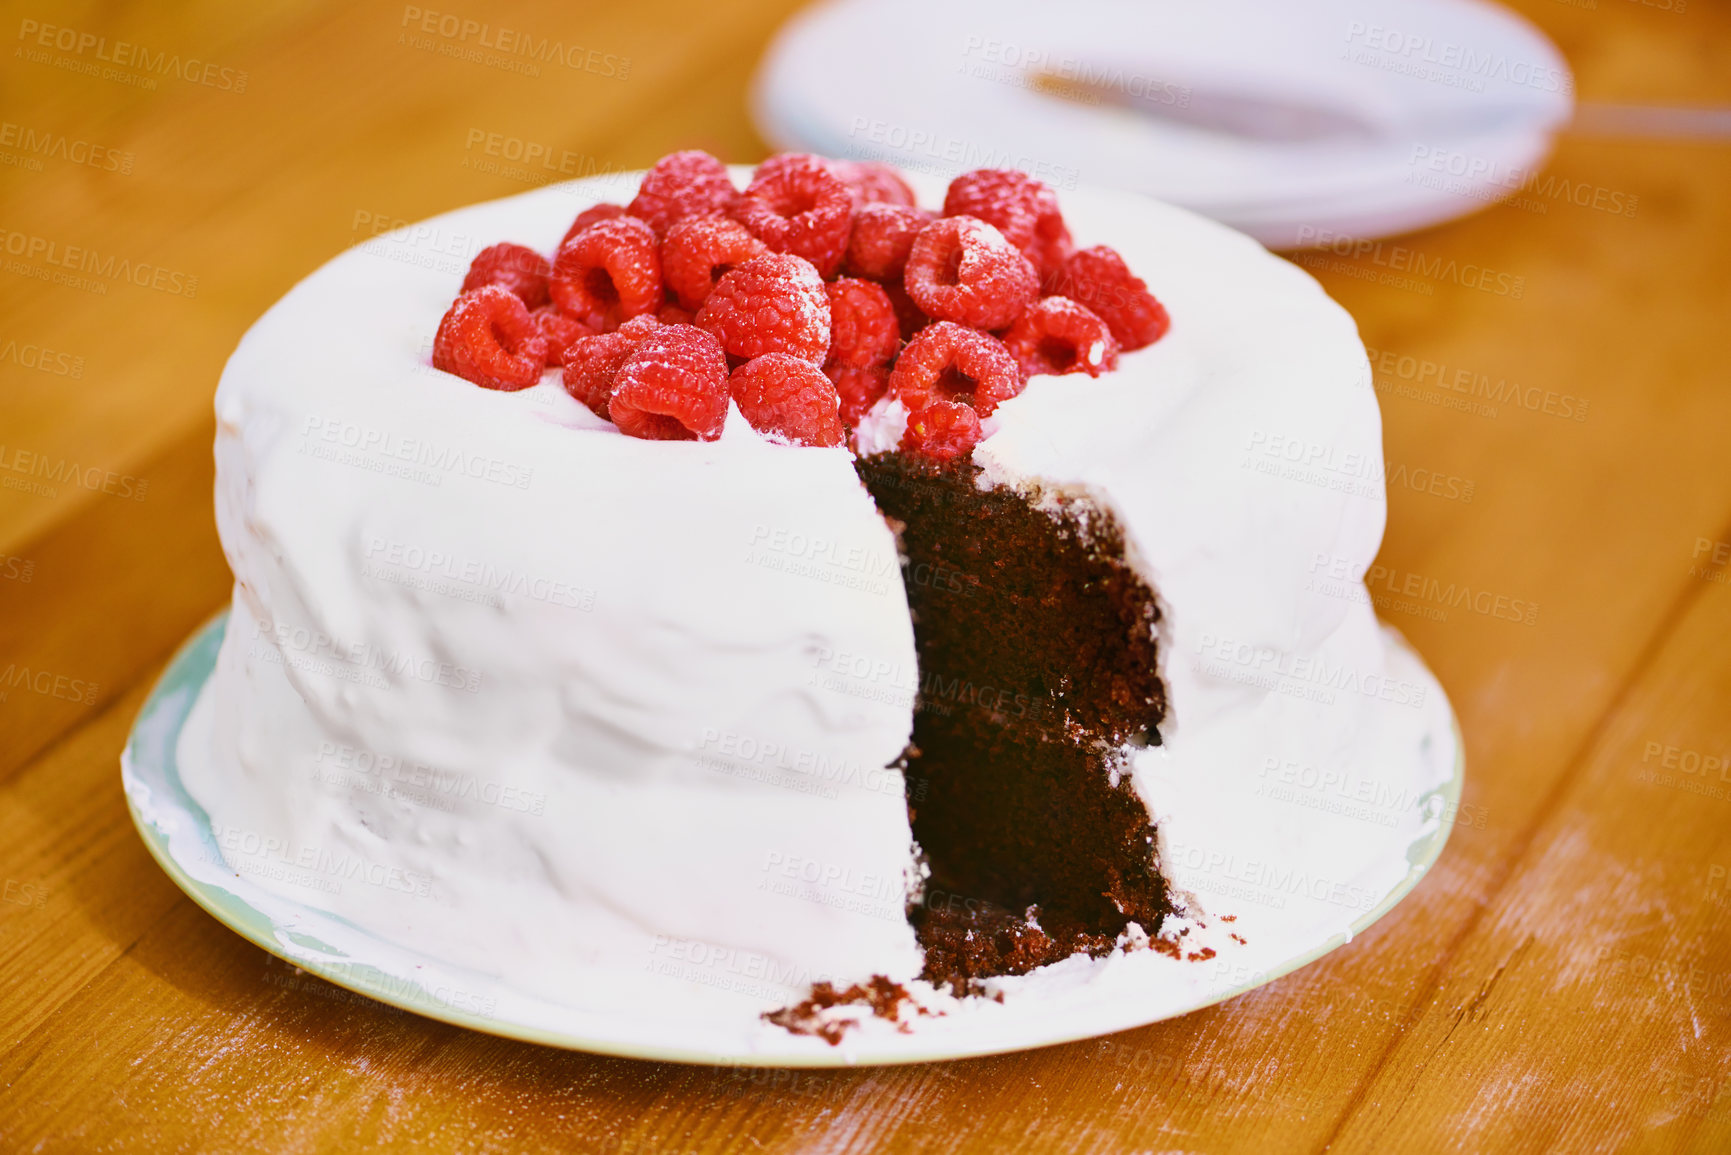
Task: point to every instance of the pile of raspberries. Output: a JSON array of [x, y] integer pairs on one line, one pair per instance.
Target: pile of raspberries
[[804, 300]]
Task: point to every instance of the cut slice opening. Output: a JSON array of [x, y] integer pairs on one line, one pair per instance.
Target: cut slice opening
[[1038, 674]]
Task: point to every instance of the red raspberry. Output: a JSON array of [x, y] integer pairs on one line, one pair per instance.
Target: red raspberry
[[671, 314], [795, 204], [1051, 250], [789, 398], [680, 185], [697, 250], [593, 362], [863, 330], [775, 303], [592, 215], [882, 236], [908, 314], [948, 362], [1025, 210], [488, 337], [942, 430], [873, 182], [561, 332], [1099, 279], [608, 273], [1056, 335], [962, 269], [673, 387], [860, 389], [521, 270]]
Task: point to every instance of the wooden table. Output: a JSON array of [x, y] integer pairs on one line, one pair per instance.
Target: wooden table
[[1561, 981]]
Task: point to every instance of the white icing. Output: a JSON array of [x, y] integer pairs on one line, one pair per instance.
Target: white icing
[[639, 698]]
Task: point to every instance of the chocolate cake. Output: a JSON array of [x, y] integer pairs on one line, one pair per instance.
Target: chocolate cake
[[616, 558], [1037, 660]]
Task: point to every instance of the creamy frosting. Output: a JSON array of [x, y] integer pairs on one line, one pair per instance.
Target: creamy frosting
[[611, 720]]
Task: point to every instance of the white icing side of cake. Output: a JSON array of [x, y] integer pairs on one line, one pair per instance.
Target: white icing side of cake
[[640, 696], [605, 656]]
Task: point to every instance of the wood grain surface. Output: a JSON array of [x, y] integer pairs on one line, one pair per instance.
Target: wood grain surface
[[1560, 982]]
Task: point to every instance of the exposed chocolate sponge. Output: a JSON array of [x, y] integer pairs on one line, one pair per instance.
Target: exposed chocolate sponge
[[1037, 666]]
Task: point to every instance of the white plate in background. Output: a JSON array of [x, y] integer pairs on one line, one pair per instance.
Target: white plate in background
[[1291, 122]]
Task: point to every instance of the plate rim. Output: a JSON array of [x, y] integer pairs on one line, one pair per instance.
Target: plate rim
[[189, 668]]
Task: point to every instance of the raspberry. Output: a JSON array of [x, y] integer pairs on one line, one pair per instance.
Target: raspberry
[[673, 387], [561, 332], [608, 273], [908, 314], [488, 337], [948, 362], [789, 398], [593, 362], [680, 185], [521, 270], [671, 314], [1025, 210], [1099, 279], [697, 250], [873, 182], [962, 269], [595, 214], [1003, 198], [863, 330], [1051, 250], [860, 389], [882, 236], [1056, 335], [795, 204], [771, 304], [942, 430]]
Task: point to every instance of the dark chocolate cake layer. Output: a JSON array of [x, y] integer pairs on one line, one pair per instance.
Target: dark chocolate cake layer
[[1037, 666]]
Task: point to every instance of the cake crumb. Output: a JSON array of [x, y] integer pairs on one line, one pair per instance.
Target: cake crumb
[[883, 996]]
